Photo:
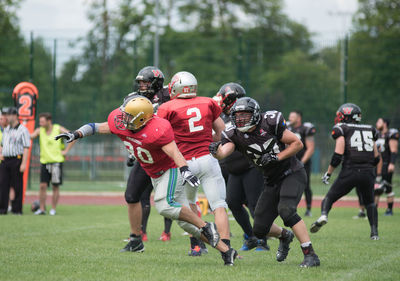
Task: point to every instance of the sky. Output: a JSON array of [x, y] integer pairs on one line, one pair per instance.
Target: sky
[[66, 19]]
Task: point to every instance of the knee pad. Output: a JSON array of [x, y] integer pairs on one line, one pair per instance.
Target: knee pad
[[130, 199], [190, 228], [288, 214]]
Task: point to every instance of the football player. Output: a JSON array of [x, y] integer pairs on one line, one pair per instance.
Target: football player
[[151, 140], [387, 143], [148, 83], [193, 120], [305, 132], [264, 139], [244, 182], [356, 148]]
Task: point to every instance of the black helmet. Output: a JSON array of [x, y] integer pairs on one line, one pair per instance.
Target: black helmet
[[348, 113], [228, 94], [153, 75], [245, 104]]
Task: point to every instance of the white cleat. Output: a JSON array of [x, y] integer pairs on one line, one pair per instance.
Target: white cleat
[[52, 212], [321, 221]]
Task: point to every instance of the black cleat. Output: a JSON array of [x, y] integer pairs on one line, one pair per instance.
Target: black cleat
[[283, 249], [308, 213], [310, 260], [250, 243], [211, 233], [135, 244], [229, 257], [262, 245], [203, 247]]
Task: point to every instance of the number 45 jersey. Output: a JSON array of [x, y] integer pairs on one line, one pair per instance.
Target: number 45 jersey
[[359, 144], [146, 143], [192, 120]]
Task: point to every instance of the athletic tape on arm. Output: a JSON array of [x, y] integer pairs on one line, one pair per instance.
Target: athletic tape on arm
[[89, 129]]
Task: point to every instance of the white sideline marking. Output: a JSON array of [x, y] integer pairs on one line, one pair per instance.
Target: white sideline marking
[[367, 267]]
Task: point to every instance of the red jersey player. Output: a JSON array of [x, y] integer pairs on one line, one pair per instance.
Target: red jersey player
[[151, 141], [193, 119]]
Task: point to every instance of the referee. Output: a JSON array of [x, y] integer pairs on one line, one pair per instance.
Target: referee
[[14, 153]]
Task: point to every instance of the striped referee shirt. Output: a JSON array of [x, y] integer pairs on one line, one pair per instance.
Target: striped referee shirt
[[15, 140]]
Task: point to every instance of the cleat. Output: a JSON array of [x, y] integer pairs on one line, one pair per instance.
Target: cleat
[[165, 236], [203, 247], [52, 212], [308, 213], [244, 247], [360, 215], [249, 243], [211, 233], [144, 236], [310, 260], [39, 212], [135, 244], [229, 257], [374, 233], [283, 249], [195, 252], [262, 245], [321, 221], [389, 212]]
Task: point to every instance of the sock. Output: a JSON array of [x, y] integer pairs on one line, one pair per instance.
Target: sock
[[167, 225], [134, 235], [194, 242], [307, 250], [145, 217], [390, 205], [227, 242], [283, 234]]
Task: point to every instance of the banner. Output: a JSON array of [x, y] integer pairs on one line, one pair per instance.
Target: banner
[[25, 95]]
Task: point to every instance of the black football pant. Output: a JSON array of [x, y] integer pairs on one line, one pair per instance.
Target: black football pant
[[364, 180], [10, 175], [280, 199], [307, 190], [242, 189]]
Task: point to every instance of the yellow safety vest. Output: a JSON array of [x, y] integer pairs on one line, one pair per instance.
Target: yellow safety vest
[[50, 149]]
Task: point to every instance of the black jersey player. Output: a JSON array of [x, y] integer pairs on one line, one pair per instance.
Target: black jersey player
[[387, 143], [305, 132], [355, 146], [244, 182], [264, 139], [149, 83]]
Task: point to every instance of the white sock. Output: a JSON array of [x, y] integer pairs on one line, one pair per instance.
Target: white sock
[[305, 244]]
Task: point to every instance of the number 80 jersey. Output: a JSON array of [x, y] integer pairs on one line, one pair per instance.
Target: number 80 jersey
[[359, 144]]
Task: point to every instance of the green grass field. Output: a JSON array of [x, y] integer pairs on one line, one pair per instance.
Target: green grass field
[[83, 243]]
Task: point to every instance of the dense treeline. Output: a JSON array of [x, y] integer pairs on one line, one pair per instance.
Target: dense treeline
[[251, 42]]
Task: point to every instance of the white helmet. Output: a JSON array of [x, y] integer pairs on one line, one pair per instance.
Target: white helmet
[[183, 85]]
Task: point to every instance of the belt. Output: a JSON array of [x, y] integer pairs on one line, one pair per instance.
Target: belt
[[13, 157]]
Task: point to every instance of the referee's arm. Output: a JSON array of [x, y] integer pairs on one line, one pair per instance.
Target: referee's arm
[[26, 142]]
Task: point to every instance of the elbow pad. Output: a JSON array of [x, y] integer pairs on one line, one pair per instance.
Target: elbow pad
[[393, 157], [336, 159], [376, 160]]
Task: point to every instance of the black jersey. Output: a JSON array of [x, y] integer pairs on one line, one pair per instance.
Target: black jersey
[[302, 132], [235, 163], [265, 138], [359, 144], [383, 143], [159, 98]]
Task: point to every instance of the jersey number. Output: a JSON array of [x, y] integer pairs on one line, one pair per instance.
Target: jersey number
[[143, 154], [192, 127], [362, 141]]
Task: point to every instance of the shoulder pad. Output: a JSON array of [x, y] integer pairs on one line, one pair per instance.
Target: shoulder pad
[[394, 134], [310, 128]]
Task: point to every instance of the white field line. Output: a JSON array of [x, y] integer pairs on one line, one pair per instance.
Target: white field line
[[364, 270]]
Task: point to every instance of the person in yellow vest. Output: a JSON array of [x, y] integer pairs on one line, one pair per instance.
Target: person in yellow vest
[[52, 154]]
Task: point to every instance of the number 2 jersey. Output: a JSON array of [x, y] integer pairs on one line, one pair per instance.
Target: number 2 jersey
[[146, 144], [265, 138], [192, 120], [359, 144]]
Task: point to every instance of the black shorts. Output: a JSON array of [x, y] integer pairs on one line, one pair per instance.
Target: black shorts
[[138, 181], [51, 172]]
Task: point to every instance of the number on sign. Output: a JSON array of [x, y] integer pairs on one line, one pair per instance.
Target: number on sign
[[196, 118], [25, 108]]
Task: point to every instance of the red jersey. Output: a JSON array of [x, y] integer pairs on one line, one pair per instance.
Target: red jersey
[[146, 144], [192, 121]]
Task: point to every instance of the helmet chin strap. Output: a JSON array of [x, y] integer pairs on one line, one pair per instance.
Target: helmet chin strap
[[245, 128]]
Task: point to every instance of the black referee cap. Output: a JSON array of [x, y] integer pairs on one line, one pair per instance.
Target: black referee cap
[[12, 110]]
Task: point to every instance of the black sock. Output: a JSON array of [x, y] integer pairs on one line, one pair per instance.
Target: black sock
[[167, 225], [194, 242], [390, 206], [227, 242], [145, 217], [134, 235], [284, 233], [307, 250]]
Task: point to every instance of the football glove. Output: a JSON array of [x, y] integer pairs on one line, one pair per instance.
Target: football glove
[[130, 161], [69, 137], [188, 176], [268, 158], [325, 178], [213, 147]]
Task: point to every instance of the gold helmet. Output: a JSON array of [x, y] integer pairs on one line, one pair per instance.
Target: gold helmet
[[137, 112]]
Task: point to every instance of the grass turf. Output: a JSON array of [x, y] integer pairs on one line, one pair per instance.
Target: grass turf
[[83, 243]]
